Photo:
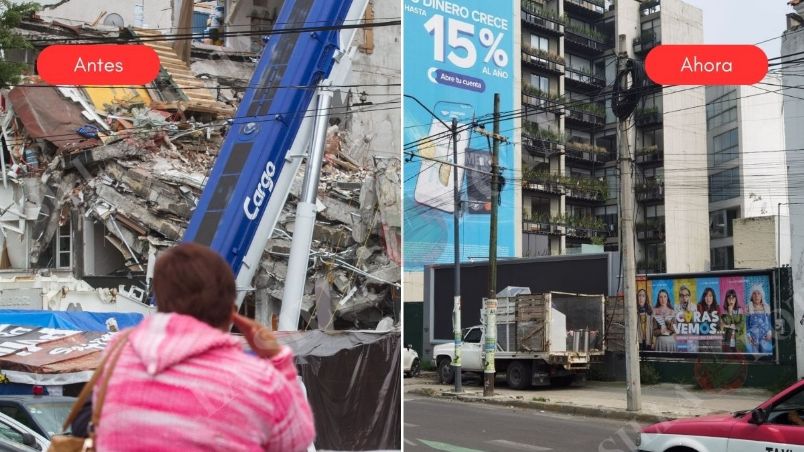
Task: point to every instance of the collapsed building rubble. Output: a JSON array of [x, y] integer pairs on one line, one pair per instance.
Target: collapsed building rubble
[[96, 181]]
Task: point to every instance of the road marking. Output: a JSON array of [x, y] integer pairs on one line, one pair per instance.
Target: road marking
[[409, 442], [446, 446], [410, 425], [518, 446]]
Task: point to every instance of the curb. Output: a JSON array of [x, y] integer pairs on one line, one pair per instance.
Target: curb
[[546, 406]]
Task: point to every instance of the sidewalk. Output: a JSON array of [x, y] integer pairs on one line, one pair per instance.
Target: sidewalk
[[599, 399]]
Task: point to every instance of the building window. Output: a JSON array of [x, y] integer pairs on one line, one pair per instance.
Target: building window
[[651, 29], [722, 110], [539, 42], [608, 215], [64, 246], [721, 223], [579, 63], [725, 147], [540, 82], [724, 185], [722, 258]]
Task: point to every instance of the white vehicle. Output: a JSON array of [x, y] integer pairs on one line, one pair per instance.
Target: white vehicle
[[16, 437], [410, 362], [542, 339]]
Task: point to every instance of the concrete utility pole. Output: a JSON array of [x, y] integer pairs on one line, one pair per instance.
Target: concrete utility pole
[[627, 251], [490, 344], [456, 301]]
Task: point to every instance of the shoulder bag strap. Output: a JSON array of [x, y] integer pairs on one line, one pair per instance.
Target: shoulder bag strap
[[98, 407], [86, 391]]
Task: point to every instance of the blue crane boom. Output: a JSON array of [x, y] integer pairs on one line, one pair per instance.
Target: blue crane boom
[[265, 126]]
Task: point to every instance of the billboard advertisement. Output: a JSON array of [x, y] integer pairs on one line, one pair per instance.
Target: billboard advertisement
[[457, 55], [722, 314]]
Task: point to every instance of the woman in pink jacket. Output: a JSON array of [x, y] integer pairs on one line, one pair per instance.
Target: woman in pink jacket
[[183, 383]]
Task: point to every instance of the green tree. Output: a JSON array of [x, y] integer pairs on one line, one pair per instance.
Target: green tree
[[11, 14]]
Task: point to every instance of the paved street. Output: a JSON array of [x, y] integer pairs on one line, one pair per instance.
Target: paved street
[[462, 427]]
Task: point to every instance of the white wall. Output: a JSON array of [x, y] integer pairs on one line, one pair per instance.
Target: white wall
[[755, 242], [794, 138], [685, 157]]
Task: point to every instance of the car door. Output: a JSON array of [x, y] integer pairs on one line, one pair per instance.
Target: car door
[[13, 432], [472, 350], [783, 431]]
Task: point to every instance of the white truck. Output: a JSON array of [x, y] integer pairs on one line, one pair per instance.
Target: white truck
[[542, 339]]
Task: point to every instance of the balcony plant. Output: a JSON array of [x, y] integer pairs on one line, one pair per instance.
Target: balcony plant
[[547, 134], [532, 91], [585, 147], [587, 32], [544, 13], [648, 150], [543, 54]]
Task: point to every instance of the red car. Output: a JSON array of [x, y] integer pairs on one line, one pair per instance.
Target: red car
[[777, 425]]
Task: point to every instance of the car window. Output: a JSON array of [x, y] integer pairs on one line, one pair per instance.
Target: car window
[[789, 411], [8, 432], [50, 416], [473, 336]]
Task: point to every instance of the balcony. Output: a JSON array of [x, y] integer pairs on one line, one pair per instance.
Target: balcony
[[534, 97], [544, 61], [649, 266], [584, 80], [649, 155], [541, 142], [588, 8], [645, 42], [542, 182], [586, 153], [542, 19], [585, 39], [650, 7], [650, 190], [586, 115], [647, 117], [585, 188], [652, 229], [540, 225]]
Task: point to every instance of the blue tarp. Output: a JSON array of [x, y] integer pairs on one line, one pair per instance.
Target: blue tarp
[[72, 320]]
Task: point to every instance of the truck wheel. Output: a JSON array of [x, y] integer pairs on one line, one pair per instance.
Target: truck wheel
[[518, 375], [415, 368], [445, 371]]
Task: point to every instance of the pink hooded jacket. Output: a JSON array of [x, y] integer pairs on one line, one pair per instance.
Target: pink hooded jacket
[[182, 385]]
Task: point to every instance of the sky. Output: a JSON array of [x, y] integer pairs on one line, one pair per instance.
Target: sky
[[744, 22]]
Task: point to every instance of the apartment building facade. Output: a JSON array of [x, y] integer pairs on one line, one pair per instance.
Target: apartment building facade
[[569, 134], [747, 167]]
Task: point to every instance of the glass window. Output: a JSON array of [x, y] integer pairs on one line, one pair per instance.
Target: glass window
[[579, 63], [724, 185], [539, 42], [64, 247], [725, 147], [722, 110], [722, 258], [10, 433], [540, 82], [473, 336]]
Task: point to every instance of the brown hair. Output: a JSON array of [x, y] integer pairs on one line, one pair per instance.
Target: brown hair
[[192, 279]]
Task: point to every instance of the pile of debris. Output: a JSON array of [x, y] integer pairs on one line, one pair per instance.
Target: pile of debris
[[130, 164]]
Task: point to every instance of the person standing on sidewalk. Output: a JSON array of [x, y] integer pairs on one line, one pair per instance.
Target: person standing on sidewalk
[[182, 382]]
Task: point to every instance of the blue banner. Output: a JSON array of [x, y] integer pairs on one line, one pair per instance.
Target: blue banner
[[457, 56]]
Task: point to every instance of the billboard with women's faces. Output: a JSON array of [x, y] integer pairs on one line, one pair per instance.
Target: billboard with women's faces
[[725, 315]]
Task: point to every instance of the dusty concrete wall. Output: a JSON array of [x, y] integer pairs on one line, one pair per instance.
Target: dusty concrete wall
[[685, 158], [156, 13], [755, 242], [377, 134]]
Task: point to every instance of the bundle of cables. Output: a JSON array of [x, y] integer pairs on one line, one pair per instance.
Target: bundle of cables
[[625, 98]]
